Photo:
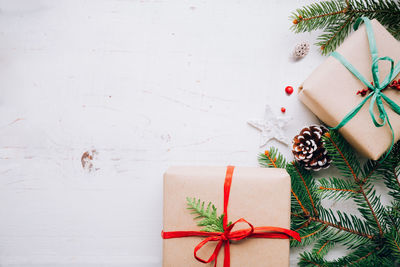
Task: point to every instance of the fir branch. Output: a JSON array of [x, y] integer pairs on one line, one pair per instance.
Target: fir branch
[[334, 188], [369, 209], [327, 223], [335, 34], [336, 17], [323, 246], [210, 221], [272, 159], [311, 259], [370, 170], [309, 233], [317, 15], [345, 160], [305, 224], [347, 224], [366, 255], [373, 239], [393, 237], [323, 250], [391, 171], [312, 233], [342, 155], [393, 242], [306, 212], [302, 174], [362, 258]]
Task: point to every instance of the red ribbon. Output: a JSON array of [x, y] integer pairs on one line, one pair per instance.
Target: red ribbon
[[224, 238]]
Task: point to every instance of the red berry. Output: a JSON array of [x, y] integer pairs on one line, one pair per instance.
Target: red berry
[[283, 110], [289, 90], [394, 83], [363, 92], [398, 87]]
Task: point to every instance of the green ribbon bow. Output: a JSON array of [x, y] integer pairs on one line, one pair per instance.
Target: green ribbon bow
[[376, 95]]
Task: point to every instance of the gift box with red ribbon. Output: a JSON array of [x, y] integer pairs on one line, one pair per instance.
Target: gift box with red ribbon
[[255, 200]]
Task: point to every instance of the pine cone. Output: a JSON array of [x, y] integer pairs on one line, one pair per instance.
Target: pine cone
[[301, 50], [309, 149]]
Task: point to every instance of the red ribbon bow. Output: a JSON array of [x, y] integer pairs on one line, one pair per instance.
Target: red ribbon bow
[[228, 235]]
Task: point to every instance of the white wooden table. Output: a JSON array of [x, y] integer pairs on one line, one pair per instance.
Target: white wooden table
[[98, 98]]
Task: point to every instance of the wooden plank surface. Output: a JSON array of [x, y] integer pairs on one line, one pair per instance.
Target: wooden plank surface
[[98, 98]]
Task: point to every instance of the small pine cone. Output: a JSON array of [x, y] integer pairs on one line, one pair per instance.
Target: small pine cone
[[308, 148], [301, 50]]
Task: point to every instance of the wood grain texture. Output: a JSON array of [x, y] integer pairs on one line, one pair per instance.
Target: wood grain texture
[[98, 98]]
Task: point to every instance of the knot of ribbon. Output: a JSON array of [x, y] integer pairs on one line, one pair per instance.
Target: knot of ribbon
[[223, 239], [376, 95]]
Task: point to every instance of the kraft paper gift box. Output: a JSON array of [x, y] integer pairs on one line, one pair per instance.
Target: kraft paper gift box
[[259, 195], [331, 91]]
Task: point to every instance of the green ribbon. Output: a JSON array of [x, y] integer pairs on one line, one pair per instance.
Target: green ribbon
[[376, 95]]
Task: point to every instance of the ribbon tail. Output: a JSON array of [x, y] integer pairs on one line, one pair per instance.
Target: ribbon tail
[[391, 145], [179, 234], [392, 104], [396, 109], [275, 232], [214, 255], [295, 235], [382, 113], [227, 256]]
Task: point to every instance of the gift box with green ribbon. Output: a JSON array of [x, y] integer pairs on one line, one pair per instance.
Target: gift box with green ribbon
[[357, 89]]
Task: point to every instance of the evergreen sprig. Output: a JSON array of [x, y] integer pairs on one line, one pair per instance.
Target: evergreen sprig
[[373, 237], [336, 18], [210, 221]]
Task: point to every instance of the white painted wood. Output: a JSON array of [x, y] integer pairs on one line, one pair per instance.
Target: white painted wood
[[145, 84]]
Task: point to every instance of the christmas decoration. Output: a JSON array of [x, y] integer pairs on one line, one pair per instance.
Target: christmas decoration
[[301, 50], [250, 186], [369, 130], [308, 148], [289, 90], [371, 238], [271, 127], [336, 17], [363, 92], [283, 110], [210, 220], [393, 85]]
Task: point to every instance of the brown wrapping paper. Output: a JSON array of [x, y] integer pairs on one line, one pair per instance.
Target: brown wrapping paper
[[330, 91], [259, 195]]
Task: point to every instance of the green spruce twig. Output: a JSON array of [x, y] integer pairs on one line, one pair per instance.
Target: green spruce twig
[[373, 237], [210, 221], [336, 17]]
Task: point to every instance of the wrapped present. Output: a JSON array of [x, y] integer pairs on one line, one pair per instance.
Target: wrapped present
[[255, 200], [355, 89]]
